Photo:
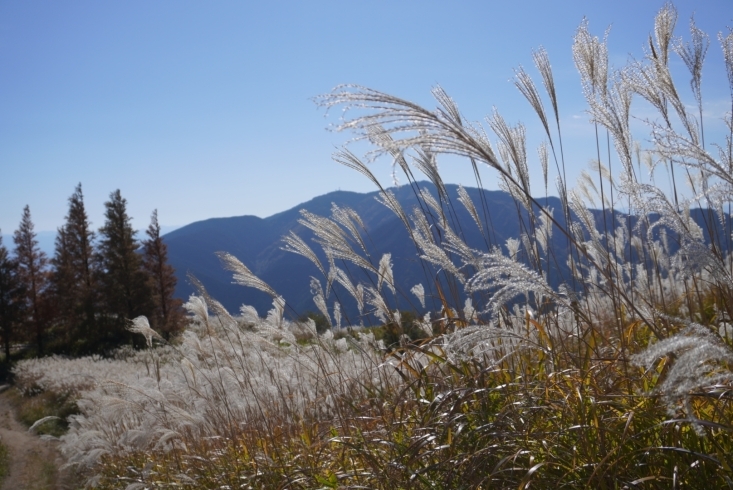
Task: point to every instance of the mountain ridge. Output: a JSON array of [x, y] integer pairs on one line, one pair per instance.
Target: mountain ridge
[[256, 242]]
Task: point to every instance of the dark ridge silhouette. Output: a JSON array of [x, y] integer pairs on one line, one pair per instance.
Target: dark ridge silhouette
[[257, 243]]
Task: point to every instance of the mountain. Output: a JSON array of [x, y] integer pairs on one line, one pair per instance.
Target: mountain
[[257, 243]]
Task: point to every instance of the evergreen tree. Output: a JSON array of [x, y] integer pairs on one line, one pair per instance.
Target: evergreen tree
[[124, 284], [74, 273], [62, 284], [168, 315], [32, 262], [11, 299]]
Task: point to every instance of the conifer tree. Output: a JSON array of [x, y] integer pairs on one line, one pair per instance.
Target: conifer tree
[[62, 284], [124, 283], [32, 263], [74, 272], [11, 298], [168, 315]]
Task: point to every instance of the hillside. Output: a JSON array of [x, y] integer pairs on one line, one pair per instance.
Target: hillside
[[257, 243]]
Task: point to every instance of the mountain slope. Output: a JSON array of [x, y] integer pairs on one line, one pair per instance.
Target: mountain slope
[[257, 241]]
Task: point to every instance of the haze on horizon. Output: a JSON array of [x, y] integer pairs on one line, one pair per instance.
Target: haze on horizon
[[205, 109]]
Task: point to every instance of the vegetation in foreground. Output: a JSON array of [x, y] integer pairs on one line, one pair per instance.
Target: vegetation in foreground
[[612, 372]]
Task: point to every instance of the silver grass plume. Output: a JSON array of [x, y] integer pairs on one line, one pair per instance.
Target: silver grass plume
[[599, 169], [381, 137], [664, 24], [244, 276], [337, 313], [465, 199], [689, 153], [436, 254], [726, 44], [425, 324], [620, 240], [434, 205], [275, 317], [332, 271], [512, 143], [542, 62], [388, 199], [249, 315], [439, 130], [609, 98], [526, 86], [694, 254], [140, 325], [333, 239], [348, 159], [591, 60], [529, 245], [544, 232], [469, 312], [455, 245], [512, 246], [482, 341], [642, 80], [420, 222], [359, 296], [296, 245], [319, 299], [701, 360], [613, 112], [197, 307], [350, 219], [542, 153], [419, 291], [426, 161], [384, 276], [221, 313], [356, 292], [585, 217], [506, 279], [381, 310], [693, 54], [448, 105], [587, 187]]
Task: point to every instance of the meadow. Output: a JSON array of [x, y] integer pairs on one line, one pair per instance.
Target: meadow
[[608, 366]]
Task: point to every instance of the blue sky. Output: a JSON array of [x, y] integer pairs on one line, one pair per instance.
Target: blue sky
[[204, 109]]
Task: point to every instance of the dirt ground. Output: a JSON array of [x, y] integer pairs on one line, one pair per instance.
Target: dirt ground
[[33, 463]]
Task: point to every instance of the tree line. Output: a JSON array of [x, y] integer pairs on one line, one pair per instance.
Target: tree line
[[80, 300]]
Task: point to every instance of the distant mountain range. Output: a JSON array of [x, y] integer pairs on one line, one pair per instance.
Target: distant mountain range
[[257, 243]]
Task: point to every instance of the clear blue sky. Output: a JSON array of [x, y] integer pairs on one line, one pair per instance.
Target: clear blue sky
[[203, 109]]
